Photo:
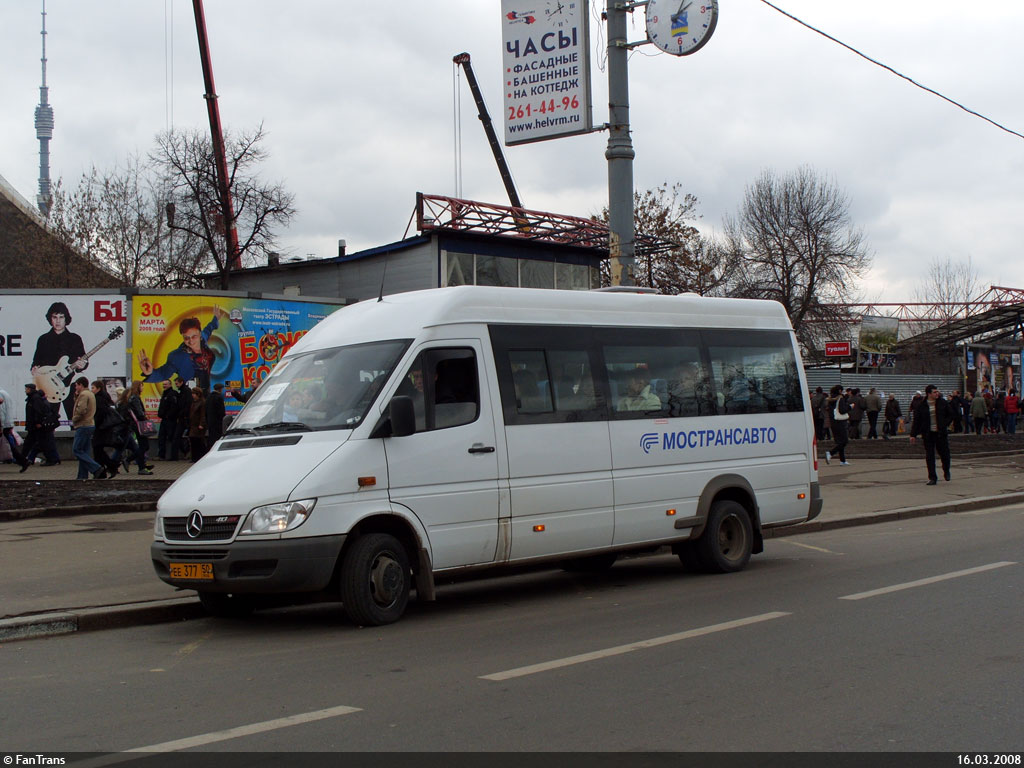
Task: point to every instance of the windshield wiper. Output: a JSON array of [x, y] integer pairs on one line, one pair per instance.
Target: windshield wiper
[[239, 431], [284, 426]]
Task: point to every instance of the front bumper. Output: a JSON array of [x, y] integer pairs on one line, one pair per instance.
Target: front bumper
[[255, 567]]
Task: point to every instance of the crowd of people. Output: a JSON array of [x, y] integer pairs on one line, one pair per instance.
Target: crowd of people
[[839, 416], [113, 433], [983, 412]]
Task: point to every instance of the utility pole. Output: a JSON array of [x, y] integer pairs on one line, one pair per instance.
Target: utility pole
[[620, 154]]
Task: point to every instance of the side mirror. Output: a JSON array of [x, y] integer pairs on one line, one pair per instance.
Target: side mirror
[[402, 415], [226, 423]]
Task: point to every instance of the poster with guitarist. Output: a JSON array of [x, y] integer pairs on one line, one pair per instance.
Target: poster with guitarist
[[82, 331], [60, 356]]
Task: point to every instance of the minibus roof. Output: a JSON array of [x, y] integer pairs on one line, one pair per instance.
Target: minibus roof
[[404, 315]]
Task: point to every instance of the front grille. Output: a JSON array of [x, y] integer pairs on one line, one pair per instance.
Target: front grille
[[214, 528], [195, 554]]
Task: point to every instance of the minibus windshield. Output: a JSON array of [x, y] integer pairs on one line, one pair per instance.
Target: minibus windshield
[[325, 389]]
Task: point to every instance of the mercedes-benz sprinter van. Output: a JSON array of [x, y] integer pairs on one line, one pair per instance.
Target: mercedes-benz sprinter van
[[468, 428]]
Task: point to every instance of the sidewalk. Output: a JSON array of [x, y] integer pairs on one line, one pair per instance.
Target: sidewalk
[[93, 571]]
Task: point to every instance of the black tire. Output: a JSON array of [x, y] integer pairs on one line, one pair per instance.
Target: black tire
[[591, 563], [225, 606], [728, 538], [375, 580], [687, 553]]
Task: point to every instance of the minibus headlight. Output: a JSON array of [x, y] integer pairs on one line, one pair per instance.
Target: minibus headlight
[[277, 518], [158, 527]]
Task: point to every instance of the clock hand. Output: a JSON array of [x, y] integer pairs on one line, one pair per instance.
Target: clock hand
[[683, 6]]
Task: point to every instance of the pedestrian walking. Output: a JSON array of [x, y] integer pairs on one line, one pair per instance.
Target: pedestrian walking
[[41, 419], [931, 421], [979, 413], [857, 406], [892, 416], [840, 415], [197, 424], [873, 406], [215, 415], [7, 422], [83, 421], [1012, 406], [817, 400]]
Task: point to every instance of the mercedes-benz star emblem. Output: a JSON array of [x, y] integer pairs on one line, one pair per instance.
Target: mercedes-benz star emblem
[[194, 524]]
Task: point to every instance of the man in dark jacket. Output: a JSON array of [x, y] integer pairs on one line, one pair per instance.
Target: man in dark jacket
[[167, 412], [41, 419], [215, 415], [182, 412], [932, 418]]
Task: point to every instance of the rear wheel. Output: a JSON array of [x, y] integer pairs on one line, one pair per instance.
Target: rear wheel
[[727, 541], [375, 580], [226, 606]]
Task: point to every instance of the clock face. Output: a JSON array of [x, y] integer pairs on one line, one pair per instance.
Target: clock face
[[681, 27], [559, 13]]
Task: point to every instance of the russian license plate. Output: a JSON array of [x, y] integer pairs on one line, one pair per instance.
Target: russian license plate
[[192, 571]]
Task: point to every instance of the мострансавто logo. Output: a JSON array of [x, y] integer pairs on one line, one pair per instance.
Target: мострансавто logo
[[707, 438]]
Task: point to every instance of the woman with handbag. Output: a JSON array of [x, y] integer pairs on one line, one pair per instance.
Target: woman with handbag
[[129, 450], [138, 411], [839, 410]]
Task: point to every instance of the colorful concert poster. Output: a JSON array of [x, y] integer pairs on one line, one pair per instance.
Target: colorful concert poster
[[207, 340]]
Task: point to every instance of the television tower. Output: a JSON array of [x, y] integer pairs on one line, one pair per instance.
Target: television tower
[[44, 132]]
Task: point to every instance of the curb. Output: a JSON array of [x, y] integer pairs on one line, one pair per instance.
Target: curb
[[85, 509], [184, 608], [100, 617], [888, 516]]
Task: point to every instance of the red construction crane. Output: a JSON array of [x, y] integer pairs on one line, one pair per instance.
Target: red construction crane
[[234, 258]]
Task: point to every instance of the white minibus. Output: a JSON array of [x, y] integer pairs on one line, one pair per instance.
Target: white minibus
[[448, 431]]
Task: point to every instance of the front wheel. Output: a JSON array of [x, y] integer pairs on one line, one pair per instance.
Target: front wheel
[[727, 541], [375, 580]]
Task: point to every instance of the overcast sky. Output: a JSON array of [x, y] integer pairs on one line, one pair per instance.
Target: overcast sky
[[357, 103]]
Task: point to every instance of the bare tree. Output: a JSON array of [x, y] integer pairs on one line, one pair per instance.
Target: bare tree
[[950, 285], [688, 263], [188, 169], [116, 220], [798, 246]]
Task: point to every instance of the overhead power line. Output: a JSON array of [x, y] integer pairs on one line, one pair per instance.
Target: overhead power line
[[890, 69]]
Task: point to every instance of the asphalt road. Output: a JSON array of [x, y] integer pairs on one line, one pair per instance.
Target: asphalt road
[[900, 636]]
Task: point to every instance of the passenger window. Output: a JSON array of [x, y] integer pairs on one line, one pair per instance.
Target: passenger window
[[531, 381], [755, 375], [444, 388], [638, 380]]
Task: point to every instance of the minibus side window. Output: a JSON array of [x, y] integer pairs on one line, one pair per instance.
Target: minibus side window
[[444, 387], [531, 380], [754, 372], [546, 374]]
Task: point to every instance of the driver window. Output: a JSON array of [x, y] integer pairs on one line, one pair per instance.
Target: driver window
[[443, 385]]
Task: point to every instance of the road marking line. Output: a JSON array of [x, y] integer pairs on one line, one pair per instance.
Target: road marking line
[[923, 582], [212, 738], [189, 648], [808, 546], [639, 645]]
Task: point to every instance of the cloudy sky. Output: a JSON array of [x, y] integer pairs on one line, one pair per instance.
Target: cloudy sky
[[357, 100]]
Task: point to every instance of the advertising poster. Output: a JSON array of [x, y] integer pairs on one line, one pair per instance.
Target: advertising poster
[[878, 335], [49, 340], [1007, 370], [207, 340], [546, 73]]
